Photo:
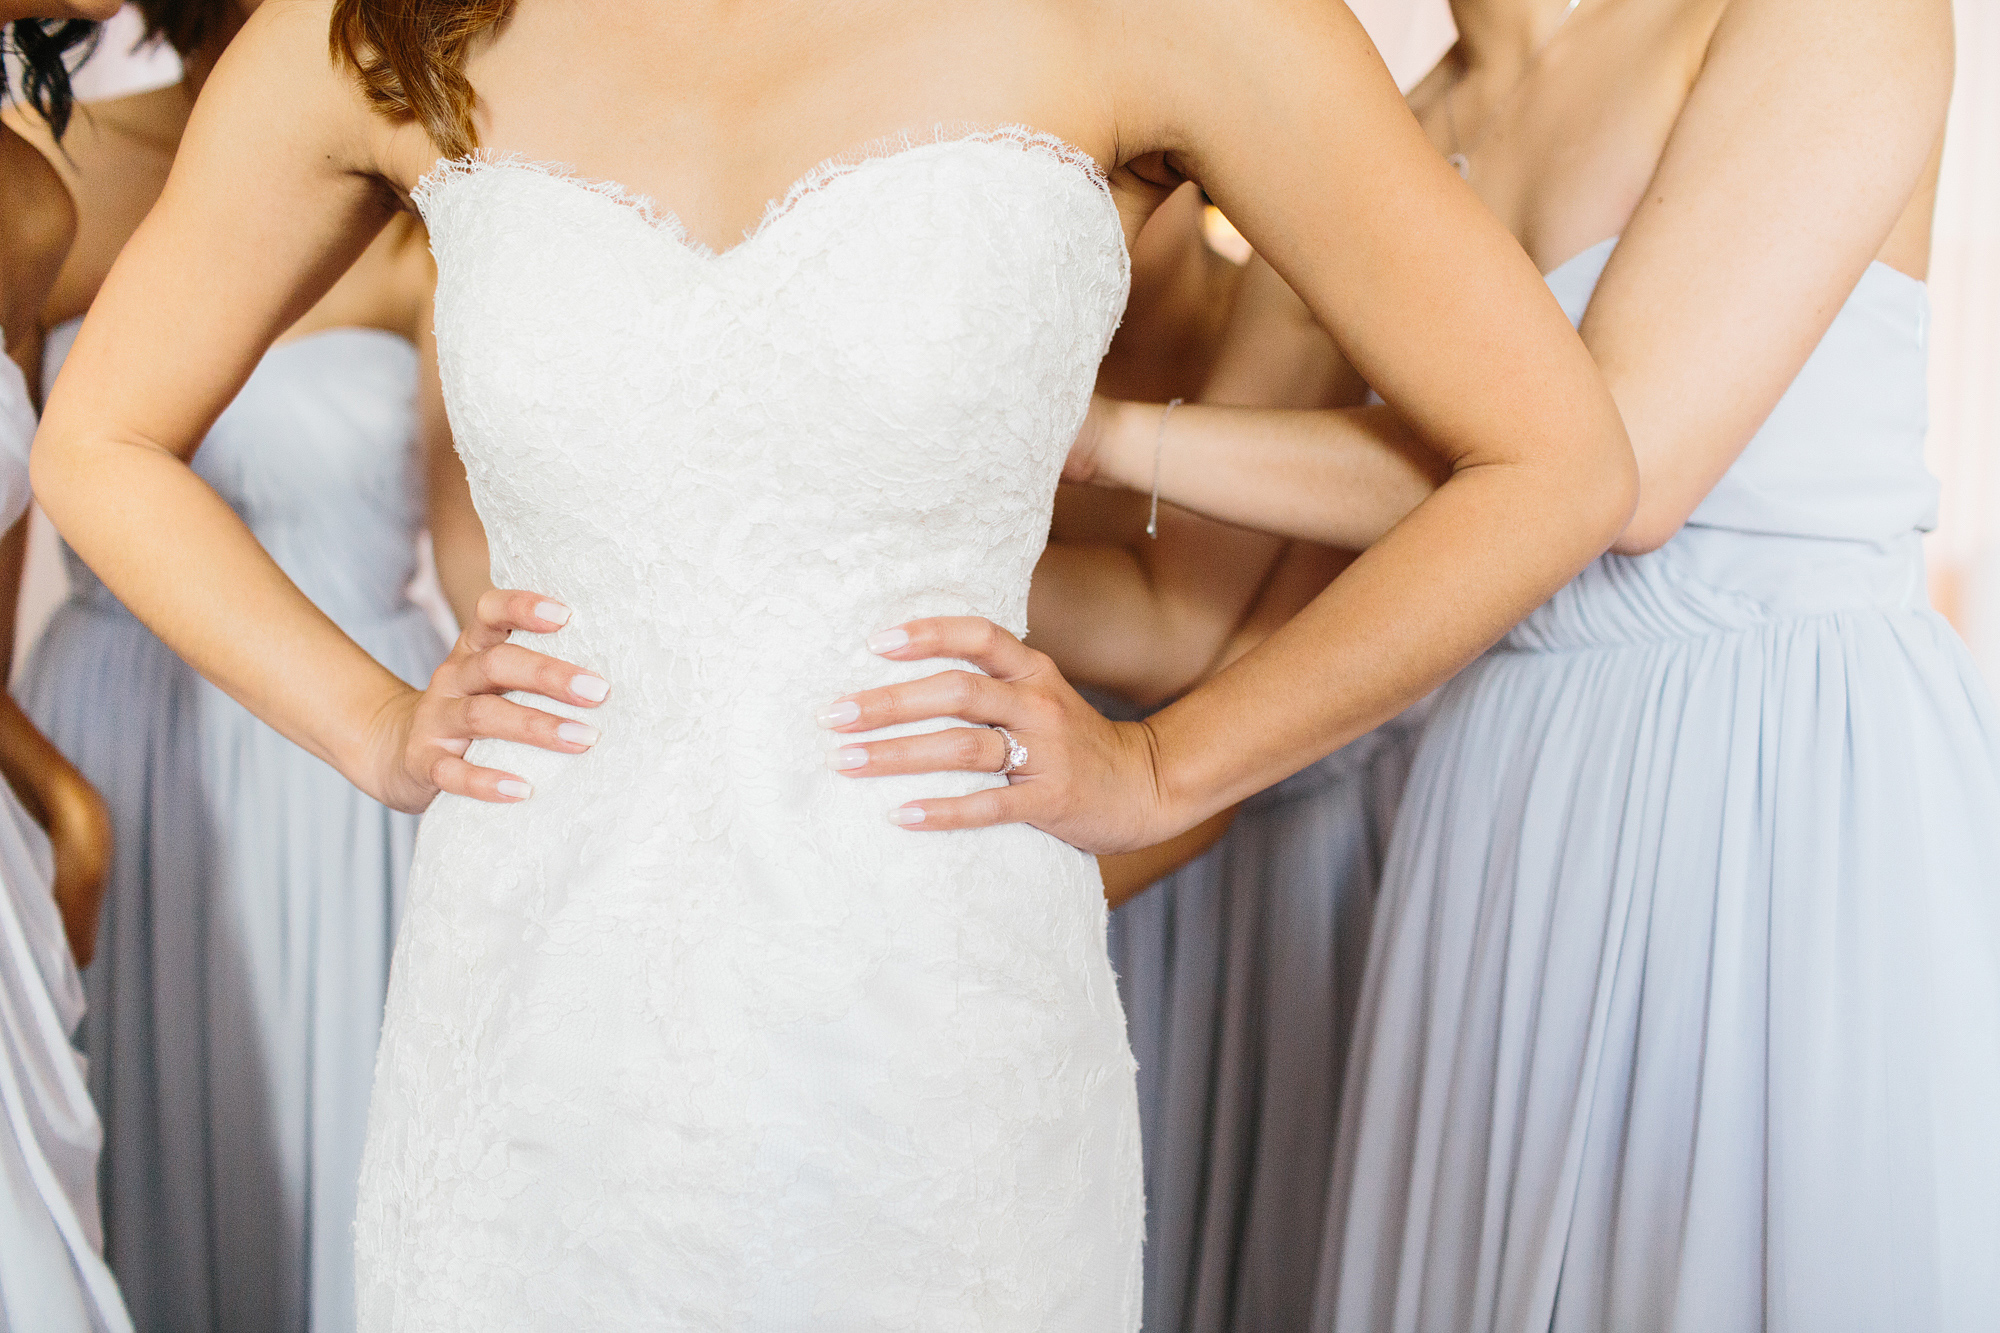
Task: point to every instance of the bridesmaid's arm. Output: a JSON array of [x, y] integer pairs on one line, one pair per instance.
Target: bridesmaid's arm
[[1793, 164], [1148, 618], [71, 812], [1434, 304], [278, 186], [1782, 180]]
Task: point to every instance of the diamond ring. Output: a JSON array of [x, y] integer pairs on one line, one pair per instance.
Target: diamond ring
[[1017, 753]]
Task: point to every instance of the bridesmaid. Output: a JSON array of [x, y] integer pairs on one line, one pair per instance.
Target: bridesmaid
[[1239, 972], [52, 1273], [1683, 1007], [236, 1001]]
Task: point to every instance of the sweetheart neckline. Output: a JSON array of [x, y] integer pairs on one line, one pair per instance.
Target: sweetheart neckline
[[888, 148]]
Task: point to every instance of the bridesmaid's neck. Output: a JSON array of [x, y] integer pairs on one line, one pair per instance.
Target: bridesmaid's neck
[[1506, 32]]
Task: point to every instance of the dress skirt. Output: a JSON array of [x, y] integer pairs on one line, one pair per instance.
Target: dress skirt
[[1683, 1008], [242, 960], [1240, 975]]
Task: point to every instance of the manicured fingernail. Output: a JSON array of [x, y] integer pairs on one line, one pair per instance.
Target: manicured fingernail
[[515, 788], [888, 641], [589, 687], [907, 815], [577, 733], [851, 756], [554, 611], [840, 714]]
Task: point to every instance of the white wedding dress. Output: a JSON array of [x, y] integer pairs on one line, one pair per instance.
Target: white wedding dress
[[695, 1038]]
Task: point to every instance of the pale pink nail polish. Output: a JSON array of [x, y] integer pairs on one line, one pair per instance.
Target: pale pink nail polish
[[851, 756], [888, 641], [907, 815], [515, 788], [554, 611], [840, 714], [577, 733], [589, 687]]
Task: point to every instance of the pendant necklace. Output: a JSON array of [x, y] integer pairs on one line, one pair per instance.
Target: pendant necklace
[[1460, 157]]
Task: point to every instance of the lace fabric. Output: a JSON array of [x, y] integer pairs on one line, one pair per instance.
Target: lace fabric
[[694, 1038]]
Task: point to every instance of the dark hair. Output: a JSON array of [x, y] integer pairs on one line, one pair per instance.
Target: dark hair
[[185, 24], [43, 46], [409, 56]]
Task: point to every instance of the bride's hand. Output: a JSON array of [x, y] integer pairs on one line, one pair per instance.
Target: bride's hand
[[1086, 780], [421, 737]]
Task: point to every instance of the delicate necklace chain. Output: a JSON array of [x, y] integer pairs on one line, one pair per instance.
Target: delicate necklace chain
[[1460, 157]]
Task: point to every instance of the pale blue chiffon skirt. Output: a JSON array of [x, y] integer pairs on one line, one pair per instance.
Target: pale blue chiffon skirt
[[242, 960], [1683, 1008], [1240, 975]]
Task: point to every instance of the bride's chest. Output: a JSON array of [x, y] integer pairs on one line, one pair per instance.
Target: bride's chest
[[943, 299]]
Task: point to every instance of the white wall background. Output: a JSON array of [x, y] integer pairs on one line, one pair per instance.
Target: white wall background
[[1965, 344]]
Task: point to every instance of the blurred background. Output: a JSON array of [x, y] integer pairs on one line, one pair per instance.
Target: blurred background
[[1964, 444]]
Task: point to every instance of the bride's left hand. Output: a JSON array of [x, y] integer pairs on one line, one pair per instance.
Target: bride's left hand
[[1089, 781]]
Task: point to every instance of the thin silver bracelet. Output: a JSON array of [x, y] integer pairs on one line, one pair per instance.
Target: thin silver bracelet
[[1159, 443]]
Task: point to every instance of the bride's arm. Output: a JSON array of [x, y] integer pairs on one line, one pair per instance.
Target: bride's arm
[[1437, 307], [273, 195]]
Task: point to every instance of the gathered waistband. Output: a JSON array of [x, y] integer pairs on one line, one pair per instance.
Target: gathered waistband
[[1710, 581]]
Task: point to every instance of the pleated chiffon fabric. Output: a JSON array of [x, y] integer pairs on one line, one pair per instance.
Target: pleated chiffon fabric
[[243, 956], [1683, 1008], [1240, 974], [52, 1273]]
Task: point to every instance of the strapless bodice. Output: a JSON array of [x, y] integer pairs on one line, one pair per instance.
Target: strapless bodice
[[1822, 512], [1842, 454], [736, 466], [317, 454]]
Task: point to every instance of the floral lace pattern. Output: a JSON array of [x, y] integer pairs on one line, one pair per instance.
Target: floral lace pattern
[[694, 1038]]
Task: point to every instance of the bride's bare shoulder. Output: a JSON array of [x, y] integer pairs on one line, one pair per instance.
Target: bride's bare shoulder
[[1177, 64]]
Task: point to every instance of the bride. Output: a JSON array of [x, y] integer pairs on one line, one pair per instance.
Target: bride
[[682, 1031]]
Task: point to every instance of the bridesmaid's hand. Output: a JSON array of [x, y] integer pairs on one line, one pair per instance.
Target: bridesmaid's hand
[[1080, 468], [423, 735], [1086, 780]]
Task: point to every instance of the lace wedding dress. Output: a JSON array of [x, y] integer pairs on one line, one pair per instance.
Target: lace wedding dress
[[694, 1038]]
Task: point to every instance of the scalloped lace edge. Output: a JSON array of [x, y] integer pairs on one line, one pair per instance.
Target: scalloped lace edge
[[883, 149]]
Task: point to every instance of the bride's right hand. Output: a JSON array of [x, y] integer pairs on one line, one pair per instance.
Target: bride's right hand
[[421, 736]]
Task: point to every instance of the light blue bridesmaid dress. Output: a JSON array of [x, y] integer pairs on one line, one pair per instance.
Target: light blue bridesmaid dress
[[1683, 1007], [244, 953], [1239, 974], [52, 1273]]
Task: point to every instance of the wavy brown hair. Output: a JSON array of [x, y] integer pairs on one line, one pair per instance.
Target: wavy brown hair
[[410, 58]]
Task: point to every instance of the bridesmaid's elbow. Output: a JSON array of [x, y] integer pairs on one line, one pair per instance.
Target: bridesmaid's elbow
[[1657, 520], [1607, 491]]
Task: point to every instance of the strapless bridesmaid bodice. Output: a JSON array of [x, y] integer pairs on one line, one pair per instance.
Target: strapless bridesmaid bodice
[[1822, 512], [317, 455], [1842, 454]]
